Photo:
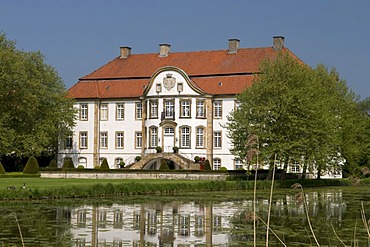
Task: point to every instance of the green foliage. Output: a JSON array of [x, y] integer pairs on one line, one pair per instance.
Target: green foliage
[[34, 111], [159, 149], [104, 165], [2, 170], [295, 111], [207, 165], [68, 164], [137, 158], [32, 166], [80, 167], [196, 159], [222, 168], [175, 149], [164, 165], [53, 164]]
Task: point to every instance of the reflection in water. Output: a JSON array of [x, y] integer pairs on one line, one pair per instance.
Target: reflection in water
[[186, 224]]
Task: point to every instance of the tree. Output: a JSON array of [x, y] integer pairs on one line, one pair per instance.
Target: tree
[[34, 109], [293, 111], [2, 170], [68, 164], [32, 166], [104, 165]]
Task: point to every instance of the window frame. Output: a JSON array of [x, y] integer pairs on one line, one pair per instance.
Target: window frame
[[84, 112], [185, 138], [120, 140], [120, 111], [104, 112], [153, 137], [169, 109], [103, 139], [83, 139], [217, 140], [139, 110], [217, 109], [138, 139], [216, 164], [202, 107], [185, 107], [153, 104], [200, 138], [68, 144]]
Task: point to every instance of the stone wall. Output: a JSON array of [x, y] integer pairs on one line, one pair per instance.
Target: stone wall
[[136, 175]]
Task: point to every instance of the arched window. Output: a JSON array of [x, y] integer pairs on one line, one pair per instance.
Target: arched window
[[200, 137], [153, 137], [185, 137], [82, 161]]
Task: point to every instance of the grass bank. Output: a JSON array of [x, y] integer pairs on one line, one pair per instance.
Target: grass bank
[[49, 188]]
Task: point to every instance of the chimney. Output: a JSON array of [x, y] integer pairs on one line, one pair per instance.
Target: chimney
[[125, 52], [164, 50], [278, 43], [233, 45]]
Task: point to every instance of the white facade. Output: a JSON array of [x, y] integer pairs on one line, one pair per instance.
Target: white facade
[[172, 111]]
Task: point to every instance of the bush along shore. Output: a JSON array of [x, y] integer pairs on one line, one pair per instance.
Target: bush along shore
[[143, 187]]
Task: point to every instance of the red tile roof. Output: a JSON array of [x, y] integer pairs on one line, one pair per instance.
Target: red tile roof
[[215, 72]]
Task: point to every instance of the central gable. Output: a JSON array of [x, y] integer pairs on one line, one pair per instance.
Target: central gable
[[171, 81]]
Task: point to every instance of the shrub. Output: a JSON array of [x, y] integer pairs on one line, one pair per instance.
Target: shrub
[[137, 158], [68, 163], [2, 170], [53, 164], [164, 166], [104, 165], [80, 167], [175, 149], [32, 166], [159, 149], [207, 166], [196, 159], [222, 168], [122, 164]]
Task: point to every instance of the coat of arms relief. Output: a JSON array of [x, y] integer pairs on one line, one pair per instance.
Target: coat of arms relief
[[169, 82]]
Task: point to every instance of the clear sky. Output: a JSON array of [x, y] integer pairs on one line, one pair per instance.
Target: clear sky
[[78, 36]]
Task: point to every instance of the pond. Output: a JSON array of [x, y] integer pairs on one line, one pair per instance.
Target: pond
[[207, 219]]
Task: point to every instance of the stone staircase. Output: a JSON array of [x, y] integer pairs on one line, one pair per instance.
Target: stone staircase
[[181, 161]]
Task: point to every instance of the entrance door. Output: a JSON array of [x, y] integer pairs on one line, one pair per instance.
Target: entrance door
[[168, 139]]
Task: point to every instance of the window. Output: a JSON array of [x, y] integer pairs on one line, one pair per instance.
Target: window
[[103, 140], [83, 112], [185, 108], [216, 164], [200, 137], [138, 139], [120, 111], [238, 164], [201, 113], [185, 137], [104, 112], [83, 139], [295, 168], [217, 109], [139, 110], [169, 109], [153, 105], [82, 162], [169, 131], [153, 132], [119, 139], [217, 139], [180, 87], [69, 142]]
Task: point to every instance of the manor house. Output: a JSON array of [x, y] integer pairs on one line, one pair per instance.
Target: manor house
[[139, 103]]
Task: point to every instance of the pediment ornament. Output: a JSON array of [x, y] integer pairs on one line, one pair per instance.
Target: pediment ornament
[[169, 82]]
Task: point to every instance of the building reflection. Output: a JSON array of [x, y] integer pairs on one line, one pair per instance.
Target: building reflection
[[183, 224]]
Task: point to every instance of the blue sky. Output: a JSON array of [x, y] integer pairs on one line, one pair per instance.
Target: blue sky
[[79, 36]]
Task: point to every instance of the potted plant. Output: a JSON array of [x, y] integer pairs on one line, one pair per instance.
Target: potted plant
[[196, 159], [175, 149], [137, 158], [159, 149]]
